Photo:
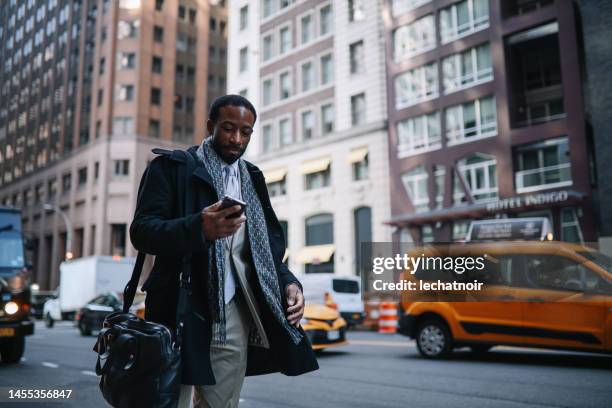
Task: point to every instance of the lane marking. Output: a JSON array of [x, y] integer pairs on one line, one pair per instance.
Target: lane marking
[[50, 365], [384, 343], [87, 372]]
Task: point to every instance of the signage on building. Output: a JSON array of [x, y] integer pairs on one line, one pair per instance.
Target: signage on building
[[529, 200]]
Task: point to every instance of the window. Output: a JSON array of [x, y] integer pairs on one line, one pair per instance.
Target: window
[[479, 174], [127, 60], [154, 128], [325, 20], [122, 167], [467, 68], [244, 17], [268, 138], [52, 188], [327, 118], [155, 96], [414, 38], [268, 8], [244, 59], [180, 73], [399, 7], [156, 65], [192, 16], [306, 29], [327, 69], [463, 18], [268, 47], [102, 66], [415, 183], [320, 229], [118, 239], [439, 178], [363, 233], [542, 165], [286, 136], [570, 225], [285, 40], [66, 183], [159, 5], [100, 97], [181, 12], [307, 77], [318, 179], [267, 92], [285, 85], [417, 85], [358, 109], [127, 29], [418, 134], [519, 7], [213, 24], [126, 93], [474, 119], [307, 125], [82, 177], [360, 169], [356, 10], [158, 34], [357, 57], [123, 125], [277, 188], [244, 93]]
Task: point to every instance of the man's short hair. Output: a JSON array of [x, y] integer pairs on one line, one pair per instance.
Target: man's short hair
[[229, 100]]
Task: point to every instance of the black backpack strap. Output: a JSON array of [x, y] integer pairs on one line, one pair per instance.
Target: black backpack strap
[[184, 191]]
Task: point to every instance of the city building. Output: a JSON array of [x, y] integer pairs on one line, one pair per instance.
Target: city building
[[487, 117], [87, 89], [315, 70]]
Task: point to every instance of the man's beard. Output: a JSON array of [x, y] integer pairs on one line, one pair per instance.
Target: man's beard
[[220, 149]]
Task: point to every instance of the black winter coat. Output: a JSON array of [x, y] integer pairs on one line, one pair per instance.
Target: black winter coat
[[157, 230]]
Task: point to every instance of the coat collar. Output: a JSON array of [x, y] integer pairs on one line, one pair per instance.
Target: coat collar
[[202, 173]]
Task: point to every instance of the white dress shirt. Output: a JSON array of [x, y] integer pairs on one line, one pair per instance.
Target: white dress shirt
[[232, 188]]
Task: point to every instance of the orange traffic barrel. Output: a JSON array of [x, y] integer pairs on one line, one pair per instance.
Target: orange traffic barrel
[[387, 320], [372, 314]]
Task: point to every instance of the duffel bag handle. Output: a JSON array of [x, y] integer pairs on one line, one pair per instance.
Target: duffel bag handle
[[130, 289]]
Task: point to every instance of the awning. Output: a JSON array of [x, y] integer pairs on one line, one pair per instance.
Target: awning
[[357, 155], [274, 175], [315, 166], [316, 254]]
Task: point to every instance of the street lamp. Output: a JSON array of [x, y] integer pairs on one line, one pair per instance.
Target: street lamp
[[50, 207]]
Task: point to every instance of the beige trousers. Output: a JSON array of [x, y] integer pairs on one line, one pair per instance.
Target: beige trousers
[[228, 362]]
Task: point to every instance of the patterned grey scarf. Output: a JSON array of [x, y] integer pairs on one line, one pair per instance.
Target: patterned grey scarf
[[260, 249]]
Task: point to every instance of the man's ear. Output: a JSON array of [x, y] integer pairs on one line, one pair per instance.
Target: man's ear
[[210, 126]]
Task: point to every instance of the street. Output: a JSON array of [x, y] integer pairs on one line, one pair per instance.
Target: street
[[375, 370]]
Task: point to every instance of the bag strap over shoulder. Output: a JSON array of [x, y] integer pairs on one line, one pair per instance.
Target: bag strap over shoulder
[[184, 191]]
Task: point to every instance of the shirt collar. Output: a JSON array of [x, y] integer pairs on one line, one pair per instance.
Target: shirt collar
[[233, 166]]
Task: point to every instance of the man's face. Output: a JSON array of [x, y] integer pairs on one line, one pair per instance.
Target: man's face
[[231, 132]]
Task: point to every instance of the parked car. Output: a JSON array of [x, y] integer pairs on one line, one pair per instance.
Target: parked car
[[540, 294], [90, 317], [38, 302], [341, 292], [324, 326]]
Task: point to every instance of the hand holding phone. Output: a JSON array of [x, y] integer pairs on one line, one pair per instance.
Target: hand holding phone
[[228, 202]]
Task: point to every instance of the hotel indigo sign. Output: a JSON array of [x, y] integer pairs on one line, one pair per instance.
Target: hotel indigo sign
[[530, 200]]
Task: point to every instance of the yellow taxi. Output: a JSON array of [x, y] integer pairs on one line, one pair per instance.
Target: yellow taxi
[[324, 326], [538, 294]]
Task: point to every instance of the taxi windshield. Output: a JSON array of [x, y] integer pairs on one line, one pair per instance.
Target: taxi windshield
[[11, 251], [598, 258]]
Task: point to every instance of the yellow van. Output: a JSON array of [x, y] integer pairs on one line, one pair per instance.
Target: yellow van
[[540, 294], [324, 326]]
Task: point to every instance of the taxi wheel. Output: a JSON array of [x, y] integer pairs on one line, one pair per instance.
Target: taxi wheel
[[11, 350], [434, 339]]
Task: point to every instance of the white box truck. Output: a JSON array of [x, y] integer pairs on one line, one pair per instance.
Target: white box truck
[[84, 278]]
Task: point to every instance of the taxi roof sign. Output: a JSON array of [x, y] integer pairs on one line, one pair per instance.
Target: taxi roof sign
[[510, 229]]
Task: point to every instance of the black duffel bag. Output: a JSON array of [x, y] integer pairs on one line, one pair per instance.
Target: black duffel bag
[[139, 361]]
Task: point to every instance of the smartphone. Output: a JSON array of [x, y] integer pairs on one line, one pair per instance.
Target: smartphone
[[228, 201]]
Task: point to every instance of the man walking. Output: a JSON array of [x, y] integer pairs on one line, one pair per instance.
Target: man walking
[[245, 304]]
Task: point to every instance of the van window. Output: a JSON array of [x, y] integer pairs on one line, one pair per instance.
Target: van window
[[554, 272], [345, 286]]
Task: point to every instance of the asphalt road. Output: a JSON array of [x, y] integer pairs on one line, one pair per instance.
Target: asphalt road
[[375, 370]]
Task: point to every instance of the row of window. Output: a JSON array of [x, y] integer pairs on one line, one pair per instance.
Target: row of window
[[312, 24], [313, 73], [459, 71], [456, 21], [538, 166], [465, 122], [317, 173], [36, 195]]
